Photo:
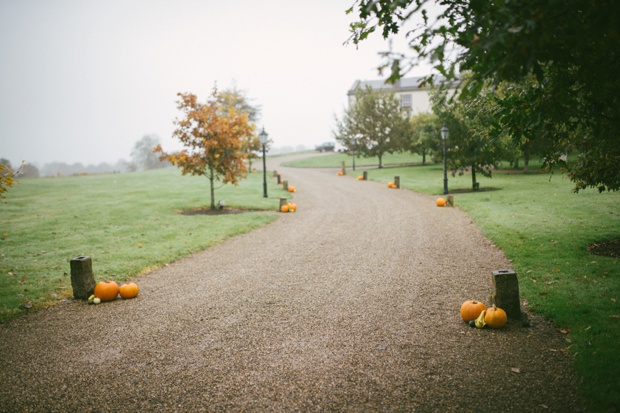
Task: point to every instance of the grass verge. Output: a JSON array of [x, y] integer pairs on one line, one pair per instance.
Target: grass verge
[[127, 223]]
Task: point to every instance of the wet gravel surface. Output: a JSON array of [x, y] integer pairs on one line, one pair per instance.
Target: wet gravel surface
[[349, 304]]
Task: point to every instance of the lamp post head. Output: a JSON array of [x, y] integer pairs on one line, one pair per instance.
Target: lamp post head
[[445, 132], [263, 137]]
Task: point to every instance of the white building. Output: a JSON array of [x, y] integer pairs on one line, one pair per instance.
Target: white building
[[412, 97]]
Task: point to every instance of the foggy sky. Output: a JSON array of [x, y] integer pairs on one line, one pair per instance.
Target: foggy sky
[[83, 80]]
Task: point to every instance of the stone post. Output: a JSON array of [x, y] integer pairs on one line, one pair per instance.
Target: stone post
[[397, 181], [344, 168], [283, 201], [505, 293], [279, 179], [285, 185], [365, 175], [82, 278]]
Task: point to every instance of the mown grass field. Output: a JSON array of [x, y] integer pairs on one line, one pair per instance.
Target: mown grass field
[[545, 229], [127, 223]]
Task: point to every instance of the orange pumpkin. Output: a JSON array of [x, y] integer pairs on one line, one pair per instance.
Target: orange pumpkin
[[440, 202], [284, 208], [292, 207], [360, 178], [471, 309], [129, 290], [106, 290], [339, 173], [496, 317]]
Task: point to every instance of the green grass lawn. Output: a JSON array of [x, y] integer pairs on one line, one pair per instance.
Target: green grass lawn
[[127, 223], [546, 229], [335, 161]]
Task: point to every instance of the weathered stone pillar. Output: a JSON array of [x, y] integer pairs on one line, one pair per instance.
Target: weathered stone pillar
[[365, 175], [505, 293], [344, 168], [82, 278], [450, 200], [397, 181], [283, 201]]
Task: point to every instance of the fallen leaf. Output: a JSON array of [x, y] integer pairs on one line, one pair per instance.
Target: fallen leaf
[[613, 300], [544, 406], [563, 331], [615, 316], [515, 370]]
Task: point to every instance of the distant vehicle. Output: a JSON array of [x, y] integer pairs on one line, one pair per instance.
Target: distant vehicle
[[326, 147]]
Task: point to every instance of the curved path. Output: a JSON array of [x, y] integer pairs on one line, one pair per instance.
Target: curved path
[[349, 304]]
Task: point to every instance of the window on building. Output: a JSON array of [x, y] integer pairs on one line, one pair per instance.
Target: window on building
[[405, 101]]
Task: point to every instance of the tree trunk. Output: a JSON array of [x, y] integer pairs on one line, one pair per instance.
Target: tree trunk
[[474, 184], [526, 162], [380, 156], [423, 158], [212, 182]]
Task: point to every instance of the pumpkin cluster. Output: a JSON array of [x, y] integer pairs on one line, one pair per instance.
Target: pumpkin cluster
[[109, 290], [289, 207], [476, 314]]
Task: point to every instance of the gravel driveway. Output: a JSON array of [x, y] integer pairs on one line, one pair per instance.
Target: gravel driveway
[[349, 304]]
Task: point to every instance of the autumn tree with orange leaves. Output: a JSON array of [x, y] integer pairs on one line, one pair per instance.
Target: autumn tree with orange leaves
[[212, 134]]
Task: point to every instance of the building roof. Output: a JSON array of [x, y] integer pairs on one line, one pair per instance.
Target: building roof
[[406, 84]]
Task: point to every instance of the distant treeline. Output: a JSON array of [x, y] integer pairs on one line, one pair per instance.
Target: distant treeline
[[63, 169]]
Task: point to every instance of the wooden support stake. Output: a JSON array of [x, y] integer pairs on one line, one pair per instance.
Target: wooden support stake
[[279, 179], [285, 185], [344, 168], [365, 175], [397, 181]]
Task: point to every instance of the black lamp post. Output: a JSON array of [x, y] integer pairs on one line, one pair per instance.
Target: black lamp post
[[263, 141], [445, 134]]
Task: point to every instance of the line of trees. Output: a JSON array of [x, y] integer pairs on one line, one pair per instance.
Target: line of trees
[[376, 124], [543, 74]]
